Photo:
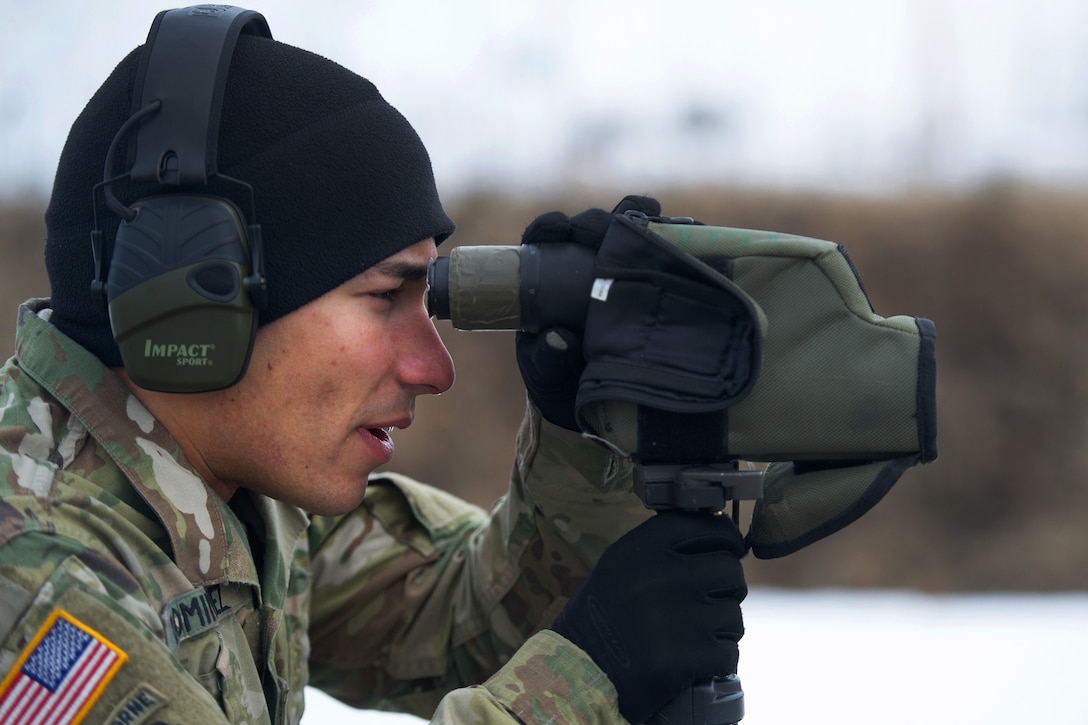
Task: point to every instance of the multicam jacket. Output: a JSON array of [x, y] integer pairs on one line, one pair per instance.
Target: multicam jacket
[[130, 593]]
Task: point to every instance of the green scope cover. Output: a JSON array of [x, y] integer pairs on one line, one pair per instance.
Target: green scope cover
[[844, 400]]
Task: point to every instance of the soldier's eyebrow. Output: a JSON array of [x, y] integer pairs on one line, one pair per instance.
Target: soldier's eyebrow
[[401, 270]]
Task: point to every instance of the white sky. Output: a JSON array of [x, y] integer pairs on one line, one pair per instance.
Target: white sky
[[840, 93]]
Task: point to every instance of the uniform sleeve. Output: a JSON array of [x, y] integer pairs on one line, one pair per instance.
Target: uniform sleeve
[[549, 680], [75, 638], [419, 594]]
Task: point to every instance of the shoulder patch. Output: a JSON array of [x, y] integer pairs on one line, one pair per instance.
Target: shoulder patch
[[137, 706], [60, 674]]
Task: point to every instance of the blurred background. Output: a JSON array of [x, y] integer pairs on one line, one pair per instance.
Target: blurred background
[[944, 143]]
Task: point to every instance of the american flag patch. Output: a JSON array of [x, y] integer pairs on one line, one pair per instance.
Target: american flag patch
[[60, 674]]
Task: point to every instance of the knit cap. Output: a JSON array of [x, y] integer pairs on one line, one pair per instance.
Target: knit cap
[[340, 181]]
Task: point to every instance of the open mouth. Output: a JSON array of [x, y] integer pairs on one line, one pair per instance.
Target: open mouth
[[379, 443]]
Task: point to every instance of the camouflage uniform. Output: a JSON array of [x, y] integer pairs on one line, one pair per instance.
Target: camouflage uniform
[[224, 613]]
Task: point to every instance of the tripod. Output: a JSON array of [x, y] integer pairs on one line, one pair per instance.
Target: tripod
[[708, 488]]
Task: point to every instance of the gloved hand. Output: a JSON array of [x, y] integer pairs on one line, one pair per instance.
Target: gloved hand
[[661, 610], [551, 361]]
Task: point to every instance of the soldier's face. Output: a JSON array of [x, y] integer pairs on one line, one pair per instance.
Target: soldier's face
[[307, 424]]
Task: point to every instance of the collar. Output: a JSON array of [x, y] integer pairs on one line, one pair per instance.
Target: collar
[[208, 541]]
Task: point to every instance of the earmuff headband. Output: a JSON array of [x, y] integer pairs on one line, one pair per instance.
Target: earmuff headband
[[185, 66]]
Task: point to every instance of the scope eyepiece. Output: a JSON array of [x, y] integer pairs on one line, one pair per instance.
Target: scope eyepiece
[[528, 287], [438, 288]]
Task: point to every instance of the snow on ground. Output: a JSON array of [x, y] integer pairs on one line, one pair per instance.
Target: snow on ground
[[891, 658]]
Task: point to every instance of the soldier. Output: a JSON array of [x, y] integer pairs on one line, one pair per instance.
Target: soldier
[[203, 556]]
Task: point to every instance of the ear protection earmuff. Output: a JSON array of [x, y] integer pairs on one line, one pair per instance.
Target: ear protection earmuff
[[185, 274]]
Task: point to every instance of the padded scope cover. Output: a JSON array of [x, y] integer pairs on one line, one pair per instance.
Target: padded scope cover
[[836, 382]]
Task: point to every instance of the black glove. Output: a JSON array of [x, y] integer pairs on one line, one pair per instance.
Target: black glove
[[666, 332], [661, 610], [551, 361]]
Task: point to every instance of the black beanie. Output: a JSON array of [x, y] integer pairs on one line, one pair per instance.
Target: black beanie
[[341, 181]]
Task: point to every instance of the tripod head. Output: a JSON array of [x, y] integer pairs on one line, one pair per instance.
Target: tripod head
[[711, 489]]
